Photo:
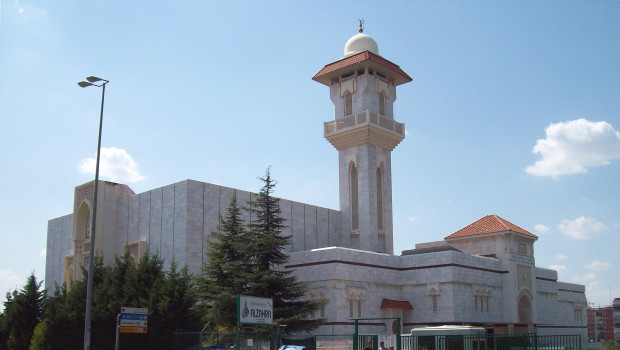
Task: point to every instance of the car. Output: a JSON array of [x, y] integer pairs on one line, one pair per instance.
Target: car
[[292, 347]]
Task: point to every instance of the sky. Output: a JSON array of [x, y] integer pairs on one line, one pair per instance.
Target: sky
[[514, 110]]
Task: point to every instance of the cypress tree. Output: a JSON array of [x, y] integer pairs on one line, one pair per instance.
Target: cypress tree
[[23, 311], [224, 274], [268, 277]]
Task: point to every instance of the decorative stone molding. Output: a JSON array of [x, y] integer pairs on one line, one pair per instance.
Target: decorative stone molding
[[362, 128], [481, 290], [318, 293], [135, 250], [348, 84], [433, 289], [381, 85], [356, 293]]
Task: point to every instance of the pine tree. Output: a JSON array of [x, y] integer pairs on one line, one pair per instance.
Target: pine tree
[[225, 272], [268, 277], [23, 311]]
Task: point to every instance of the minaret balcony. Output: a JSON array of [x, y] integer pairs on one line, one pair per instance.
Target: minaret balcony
[[362, 128]]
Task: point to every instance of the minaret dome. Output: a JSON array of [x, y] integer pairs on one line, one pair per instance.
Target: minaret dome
[[360, 43]]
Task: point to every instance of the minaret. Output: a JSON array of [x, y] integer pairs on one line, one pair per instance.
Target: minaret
[[363, 90]]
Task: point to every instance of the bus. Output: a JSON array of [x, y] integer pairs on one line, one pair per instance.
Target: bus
[[447, 338]]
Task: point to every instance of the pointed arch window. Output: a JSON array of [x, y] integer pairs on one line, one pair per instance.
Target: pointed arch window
[[348, 103], [382, 102], [379, 198], [88, 224], [355, 222]]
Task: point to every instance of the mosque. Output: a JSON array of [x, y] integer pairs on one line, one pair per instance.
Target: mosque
[[482, 275]]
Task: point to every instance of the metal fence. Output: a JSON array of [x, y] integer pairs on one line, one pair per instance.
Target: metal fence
[[221, 340], [262, 341], [492, 342]]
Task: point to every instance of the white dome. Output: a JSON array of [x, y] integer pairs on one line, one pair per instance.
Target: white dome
[[360, 43]]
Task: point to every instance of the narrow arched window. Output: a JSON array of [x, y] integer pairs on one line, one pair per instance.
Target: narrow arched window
[[379, 198], [382, 102], [348, 103], [88, 224], [355, 222]]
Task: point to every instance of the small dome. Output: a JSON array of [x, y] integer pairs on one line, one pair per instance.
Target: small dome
[[360, 43]]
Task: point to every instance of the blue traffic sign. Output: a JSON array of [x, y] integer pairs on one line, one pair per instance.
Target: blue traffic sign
[[133, 317]]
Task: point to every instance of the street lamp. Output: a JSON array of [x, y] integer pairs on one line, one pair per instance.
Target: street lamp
[[93, 81]]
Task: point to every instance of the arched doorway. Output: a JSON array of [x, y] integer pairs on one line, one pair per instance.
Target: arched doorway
[[525, 310]]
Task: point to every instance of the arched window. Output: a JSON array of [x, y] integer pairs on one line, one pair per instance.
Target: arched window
[[88, 225], [382, 102], [379, 198], [83, 225], [348, 103], [355, 222], [69, 276]]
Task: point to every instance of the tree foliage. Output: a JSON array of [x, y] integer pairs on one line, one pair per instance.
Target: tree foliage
[[167, 295], [610, 345], [23, 310], [249, 259], [224, 274], [245, 258]]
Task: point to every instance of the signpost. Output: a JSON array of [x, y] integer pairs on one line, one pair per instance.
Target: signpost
[[253, 310], [131, 320]]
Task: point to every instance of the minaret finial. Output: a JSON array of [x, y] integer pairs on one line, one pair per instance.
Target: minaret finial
[[361, 25]]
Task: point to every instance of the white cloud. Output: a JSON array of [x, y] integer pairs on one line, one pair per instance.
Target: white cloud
[[9, 277], [589, 277], [116, 165], [559, 268], [574, 146], [29, 12], [8, 283], [413, 218], [43, 253], [560, 257], [542, 229], [582, 228], [598, 265]]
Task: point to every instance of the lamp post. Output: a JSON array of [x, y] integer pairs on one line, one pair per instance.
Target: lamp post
[[93, 81]]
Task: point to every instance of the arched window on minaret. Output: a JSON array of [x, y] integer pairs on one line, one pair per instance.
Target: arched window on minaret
[[382, 102], [348, 103], [380, 197], [355, 221]]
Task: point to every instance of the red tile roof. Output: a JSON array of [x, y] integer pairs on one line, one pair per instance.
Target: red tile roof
[[330, 70], [396, 304], [489, 224]]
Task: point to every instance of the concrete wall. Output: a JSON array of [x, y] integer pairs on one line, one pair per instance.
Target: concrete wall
[[59, 245]]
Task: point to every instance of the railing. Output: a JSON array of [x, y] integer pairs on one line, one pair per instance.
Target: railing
[[492, 342], [262, 341], [364, 118]]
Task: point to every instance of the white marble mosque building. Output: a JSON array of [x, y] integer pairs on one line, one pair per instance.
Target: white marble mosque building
[[483, 275]]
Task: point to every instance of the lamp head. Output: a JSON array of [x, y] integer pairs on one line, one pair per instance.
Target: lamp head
[[84, 84], [93, 79]]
